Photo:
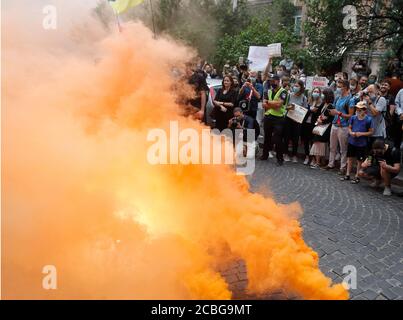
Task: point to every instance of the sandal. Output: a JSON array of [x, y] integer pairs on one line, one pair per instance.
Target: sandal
[[345, 178], [356, 181]]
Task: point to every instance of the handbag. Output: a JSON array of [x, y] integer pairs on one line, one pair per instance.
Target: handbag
[[321, 129]]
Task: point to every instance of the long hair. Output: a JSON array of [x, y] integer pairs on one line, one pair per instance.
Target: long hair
[[311, 100], [231, 80], [329, 96], [302, 86]]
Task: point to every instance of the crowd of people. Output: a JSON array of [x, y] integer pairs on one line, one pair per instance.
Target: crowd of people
[[356, 118]]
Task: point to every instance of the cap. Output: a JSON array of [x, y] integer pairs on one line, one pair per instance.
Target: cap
[[361, 105], [274, 77]]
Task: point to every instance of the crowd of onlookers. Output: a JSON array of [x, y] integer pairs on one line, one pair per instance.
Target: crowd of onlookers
[[356, 118]]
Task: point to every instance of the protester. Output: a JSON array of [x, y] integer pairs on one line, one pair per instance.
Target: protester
[[360, 128], [240, 121], [391, 118], [363, 81], [292, 128], [395, 84], [288, 63], [321, 136], [250, 94], [355, 90], [315, 105], [211, 73], [285, 83], [339, 132], [377, 109], [199, 84], [372, 79], [399, 113], [382, 165], [224, 104], [275, 102]]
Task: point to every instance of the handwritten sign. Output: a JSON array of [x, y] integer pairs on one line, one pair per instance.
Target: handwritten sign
[[259, 56], [274, 50], [314, 82]]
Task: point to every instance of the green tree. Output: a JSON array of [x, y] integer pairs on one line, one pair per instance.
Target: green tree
[[259, 33], [379, 23]]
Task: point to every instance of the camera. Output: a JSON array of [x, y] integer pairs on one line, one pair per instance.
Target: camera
[[234, 123]]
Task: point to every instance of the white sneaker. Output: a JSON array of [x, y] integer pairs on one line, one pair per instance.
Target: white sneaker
[[287, 158], [294, 159], [387, 192], [313, 163], [315, 166], [271, 155], [306, 162]]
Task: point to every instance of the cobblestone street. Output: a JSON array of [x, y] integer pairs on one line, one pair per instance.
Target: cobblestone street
[[346, 224]]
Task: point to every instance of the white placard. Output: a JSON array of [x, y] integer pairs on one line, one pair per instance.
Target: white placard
[[298, 114], [259, 56], [274, 50], [313, 82]]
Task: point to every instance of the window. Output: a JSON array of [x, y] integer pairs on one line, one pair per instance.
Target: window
[[297, 25]]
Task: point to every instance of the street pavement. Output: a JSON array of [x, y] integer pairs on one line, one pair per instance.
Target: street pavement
[[348, 225]]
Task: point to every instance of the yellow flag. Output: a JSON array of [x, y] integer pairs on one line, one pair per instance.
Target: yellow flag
[[121, 6]]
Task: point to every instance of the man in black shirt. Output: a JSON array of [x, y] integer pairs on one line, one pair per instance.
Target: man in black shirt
[[383, 164], [198, 82]]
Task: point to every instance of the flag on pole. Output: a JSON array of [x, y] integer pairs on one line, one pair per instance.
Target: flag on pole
[[121, 6]]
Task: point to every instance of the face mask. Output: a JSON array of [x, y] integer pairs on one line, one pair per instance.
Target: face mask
[[253, 80], [274, 86], [339, 91], [353, 88], [296, 89], [371, 81], [315, 95], [373, 97]]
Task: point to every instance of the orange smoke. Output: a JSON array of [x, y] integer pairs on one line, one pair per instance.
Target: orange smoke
[[79, 194]]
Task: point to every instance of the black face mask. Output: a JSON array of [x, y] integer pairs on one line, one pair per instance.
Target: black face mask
[[274, 86]]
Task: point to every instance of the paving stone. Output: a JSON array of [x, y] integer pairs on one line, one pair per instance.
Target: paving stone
[[346, 224]]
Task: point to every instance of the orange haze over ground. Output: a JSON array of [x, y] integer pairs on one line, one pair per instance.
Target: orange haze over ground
[[79, 194]]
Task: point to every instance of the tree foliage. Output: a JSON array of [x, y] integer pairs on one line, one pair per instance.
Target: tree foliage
[[259, 33], [379, 24]]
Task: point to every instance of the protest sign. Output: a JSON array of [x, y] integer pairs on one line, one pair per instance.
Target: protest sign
[[313, 82], [298, 114]]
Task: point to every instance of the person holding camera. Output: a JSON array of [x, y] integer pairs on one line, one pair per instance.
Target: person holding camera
[[224, 103], [240, 121], [250, 94], [382, 165], [360, 128], [377, 108]]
